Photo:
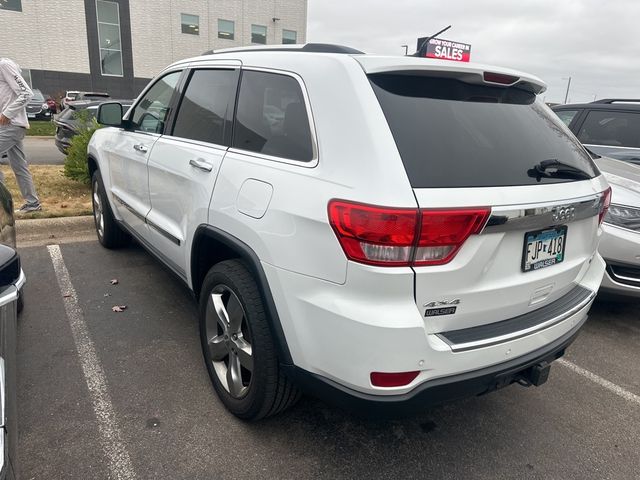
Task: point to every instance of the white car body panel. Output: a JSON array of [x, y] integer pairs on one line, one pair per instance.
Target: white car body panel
[[343, 320]]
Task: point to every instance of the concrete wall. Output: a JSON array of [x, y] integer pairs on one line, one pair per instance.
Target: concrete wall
[[158, 39], [33, 37]]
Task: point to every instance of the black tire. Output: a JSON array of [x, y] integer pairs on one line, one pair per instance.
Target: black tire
[[268, 390], [20, 302], [110, 234]]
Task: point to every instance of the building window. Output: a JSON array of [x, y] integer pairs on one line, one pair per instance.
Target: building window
[[109, 38], [190, 24], [26, 74], [259, 34], [289, 36], [15, 5], [226, 29]]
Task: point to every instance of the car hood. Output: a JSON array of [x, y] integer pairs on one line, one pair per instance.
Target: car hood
[[624, 179]]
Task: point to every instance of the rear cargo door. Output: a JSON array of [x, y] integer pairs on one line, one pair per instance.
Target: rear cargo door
[[509, 200]]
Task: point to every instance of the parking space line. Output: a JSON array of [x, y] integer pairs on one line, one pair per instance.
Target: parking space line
[[111, 438], [612, 387]]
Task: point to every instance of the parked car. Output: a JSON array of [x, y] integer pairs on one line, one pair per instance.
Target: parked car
[[74, 96], [12, 280], [68, 121], [70, 96], [412, 231], [38, 108], [609, 127], [620, 244]]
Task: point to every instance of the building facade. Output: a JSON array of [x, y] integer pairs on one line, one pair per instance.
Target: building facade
[[116, 46]]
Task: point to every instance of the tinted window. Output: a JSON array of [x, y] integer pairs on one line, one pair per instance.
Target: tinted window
[[206, 109], [190, 24], [258, 34], [566, 115], [152, 110], [453, 134], [226, 29], [272, 117], [621, 129]]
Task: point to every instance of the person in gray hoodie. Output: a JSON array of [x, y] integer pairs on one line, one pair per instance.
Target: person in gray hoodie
[[14, 96]]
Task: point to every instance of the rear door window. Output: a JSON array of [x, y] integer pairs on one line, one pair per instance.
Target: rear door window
[[206, 110], [611, 128], [272, 117], [454, 134], [566, 116]]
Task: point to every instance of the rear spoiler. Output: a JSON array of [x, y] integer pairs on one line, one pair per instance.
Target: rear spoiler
[[465, 72]]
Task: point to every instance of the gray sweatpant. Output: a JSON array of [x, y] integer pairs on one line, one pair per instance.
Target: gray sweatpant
[[11, 137]]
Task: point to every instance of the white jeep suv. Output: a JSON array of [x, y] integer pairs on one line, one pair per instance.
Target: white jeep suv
[[377, 230]]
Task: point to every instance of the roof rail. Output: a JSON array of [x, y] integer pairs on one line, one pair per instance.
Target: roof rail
[[615, 100], [308, 47]]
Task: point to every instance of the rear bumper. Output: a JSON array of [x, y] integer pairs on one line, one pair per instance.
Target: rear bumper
[[437, 391]]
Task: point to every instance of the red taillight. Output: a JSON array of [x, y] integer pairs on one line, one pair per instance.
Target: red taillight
[[604, 207], [382, 379], [500, 78], [443, 232], [402, 236], [374, 235]]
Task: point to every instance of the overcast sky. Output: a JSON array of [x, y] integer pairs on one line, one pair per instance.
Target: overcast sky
[[593, 41]]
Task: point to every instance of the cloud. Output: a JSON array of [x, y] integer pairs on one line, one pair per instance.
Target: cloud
[[592, 41]]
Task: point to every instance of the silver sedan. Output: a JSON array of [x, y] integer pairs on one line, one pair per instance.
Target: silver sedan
[[620, 244]]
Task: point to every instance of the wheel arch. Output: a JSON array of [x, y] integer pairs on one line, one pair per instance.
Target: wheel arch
[[92, 165], [212, 245]]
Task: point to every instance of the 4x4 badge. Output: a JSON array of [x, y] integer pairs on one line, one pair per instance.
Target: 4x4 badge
[[442, 303], [441, 307]]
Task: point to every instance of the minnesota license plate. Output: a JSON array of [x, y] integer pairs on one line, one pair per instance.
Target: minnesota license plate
[[31, 115], [544, 248]]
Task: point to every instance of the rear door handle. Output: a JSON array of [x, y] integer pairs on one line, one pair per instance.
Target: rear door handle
[[140, 148], [200, 164]]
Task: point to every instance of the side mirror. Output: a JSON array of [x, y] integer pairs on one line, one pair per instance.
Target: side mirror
[[110, 114]]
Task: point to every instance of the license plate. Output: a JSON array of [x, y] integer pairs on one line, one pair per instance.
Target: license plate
[[31, 115], [544, 248]]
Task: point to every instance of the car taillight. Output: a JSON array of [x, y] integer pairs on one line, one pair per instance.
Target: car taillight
[[605, 205], [403, 236], [442, 233]]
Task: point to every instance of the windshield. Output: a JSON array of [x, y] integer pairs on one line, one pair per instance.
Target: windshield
[[37, 96], [453, 134]]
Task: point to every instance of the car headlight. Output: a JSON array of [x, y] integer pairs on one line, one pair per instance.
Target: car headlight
[[45, 106], [623, 216]]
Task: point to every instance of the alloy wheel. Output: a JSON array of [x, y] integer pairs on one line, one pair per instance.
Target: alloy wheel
[[228, 341]]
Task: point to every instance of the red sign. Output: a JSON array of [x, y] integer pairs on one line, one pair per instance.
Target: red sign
[[447, 50]]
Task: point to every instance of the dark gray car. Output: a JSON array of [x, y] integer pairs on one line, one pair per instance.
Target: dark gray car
[[608, 127]]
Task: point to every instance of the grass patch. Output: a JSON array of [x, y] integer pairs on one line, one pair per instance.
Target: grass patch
[[59, 195], [42, 128]]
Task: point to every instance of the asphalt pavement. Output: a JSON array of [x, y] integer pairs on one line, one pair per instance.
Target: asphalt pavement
[[42, 151], [155, 415]]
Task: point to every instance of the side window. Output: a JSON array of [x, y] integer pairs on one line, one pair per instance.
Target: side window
[[206, 109], [621, 129], [272, 117], [566, 116], [152, 110]]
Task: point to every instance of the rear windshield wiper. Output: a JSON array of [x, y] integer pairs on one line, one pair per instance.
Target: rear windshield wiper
[[555, 169]]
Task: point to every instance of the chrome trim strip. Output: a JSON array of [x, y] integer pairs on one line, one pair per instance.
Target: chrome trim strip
[[540, 215], [623, 278], [10, 294], [163, 232], [128, 207], [156, 227], [487, 342], [22, 279]]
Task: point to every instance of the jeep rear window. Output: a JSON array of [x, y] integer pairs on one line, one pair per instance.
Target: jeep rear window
[[454, 134]]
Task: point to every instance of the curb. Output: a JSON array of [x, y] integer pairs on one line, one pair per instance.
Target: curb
[[45, 231]]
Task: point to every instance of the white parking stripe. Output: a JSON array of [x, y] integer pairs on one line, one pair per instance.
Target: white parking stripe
[[111, 438], [612, 387]]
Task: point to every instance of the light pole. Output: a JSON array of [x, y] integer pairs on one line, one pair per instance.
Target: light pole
[[406, 49], [566, 95]]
